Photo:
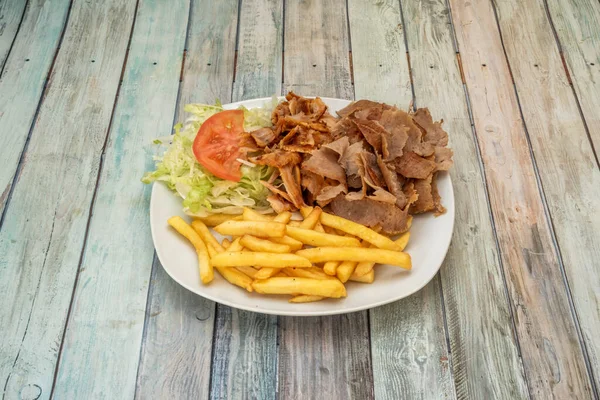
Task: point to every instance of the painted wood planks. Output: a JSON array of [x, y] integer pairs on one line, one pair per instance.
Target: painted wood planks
[[565, 158], [101, 348], [552, 355], [477, 309], [179, 326], [577, 25], [326, 357], [408, 343], [11, 14], [45, 222], [23, 78], [245, 343]]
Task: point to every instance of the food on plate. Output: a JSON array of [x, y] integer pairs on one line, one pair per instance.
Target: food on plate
[[255, 228], [372, 163], [259, 264]]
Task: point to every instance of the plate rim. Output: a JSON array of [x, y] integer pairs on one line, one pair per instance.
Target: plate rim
[[297, 313]]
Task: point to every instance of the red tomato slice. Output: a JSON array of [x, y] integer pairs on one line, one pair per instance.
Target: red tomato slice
[[216, 146]]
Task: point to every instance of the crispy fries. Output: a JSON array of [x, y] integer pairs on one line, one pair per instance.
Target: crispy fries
[[311, 220], [266, 272], [313, 238], [251, 272], [366, 278], [356, 254], [305, 298], [249, 259], [254, 228], [204, 265], [216, 219], [330, 267], [284, 217], [225, 243], [251, 215], [358, 230], [305, 211], [235, 277], [263, 245], [402, 241], [293, 243], [202, 230], [313, 273], [326, 288], [344, 270]]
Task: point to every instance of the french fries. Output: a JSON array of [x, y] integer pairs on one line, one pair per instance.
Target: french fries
[[254, 228], [356, 254], [204, 265], [313, 238], [267, 253], [250, 259], [359, 230], [326, 288], [256, 244], [216, 219]]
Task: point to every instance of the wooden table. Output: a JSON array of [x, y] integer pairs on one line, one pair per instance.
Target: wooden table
[[87, 312]]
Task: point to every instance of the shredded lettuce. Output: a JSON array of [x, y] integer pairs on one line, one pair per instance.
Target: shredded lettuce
[[202, 192]]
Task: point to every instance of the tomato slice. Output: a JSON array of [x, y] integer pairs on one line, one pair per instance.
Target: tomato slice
[[216, 146]]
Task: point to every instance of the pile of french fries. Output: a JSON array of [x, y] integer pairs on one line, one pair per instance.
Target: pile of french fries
[[310, 259]]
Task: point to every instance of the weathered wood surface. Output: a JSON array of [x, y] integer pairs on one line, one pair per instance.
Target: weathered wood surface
[[328, 357], [552, 354], [477, 309], [177, 345], [245, 343], [564, 156], [408, 341], [24, 75], [11, 14], [109, 305], [577, 27], [45, 222]]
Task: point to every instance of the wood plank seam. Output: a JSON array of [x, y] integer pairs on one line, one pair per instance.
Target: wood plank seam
[[547, 214], [568, 73], [217, 310], [15, 37], [35, 115], [487, 196], [91, 209]]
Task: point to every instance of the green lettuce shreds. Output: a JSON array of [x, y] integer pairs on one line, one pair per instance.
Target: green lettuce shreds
[[202, 192]]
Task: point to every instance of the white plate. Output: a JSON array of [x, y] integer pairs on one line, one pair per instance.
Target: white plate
[[429, 241]]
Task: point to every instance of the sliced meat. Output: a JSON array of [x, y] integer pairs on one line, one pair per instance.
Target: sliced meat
[[264, 136], [425, 200], [292, 186], [384, 196], [317, 108], [247, 144], [324, 162], [410, 165], [433, 132], [345, 127], [357, 106], [278, 159], [372, 131], [392, 182], [437, 200], [409, 191], [352, 163], [276, 191], [278, 204], [280, 112], [329, 193], [373, 113], [372, 175], [339, 146], [312, 183], [395, 122], [299, 139], [443, 158], [372, 213], [329, 120]]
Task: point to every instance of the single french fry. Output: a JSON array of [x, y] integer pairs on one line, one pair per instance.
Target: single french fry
[[311, 219], [295, 224], [358, 230], [326, 288], [250, 259], [283, 217], [251, 215], [330, 267], [204, 265], [235, 277], [216, 219], [236, 245], [313, 238], [305, 211], [305, 298], [254, 228], [208, 238], [344, 270], [293, 243], [251, 272], [366, 278], [225, 243], [211, 250], [402, 241], [257, 244], [280, 275], [313, 273], [363, 268], [266, 272], [356, 254]]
